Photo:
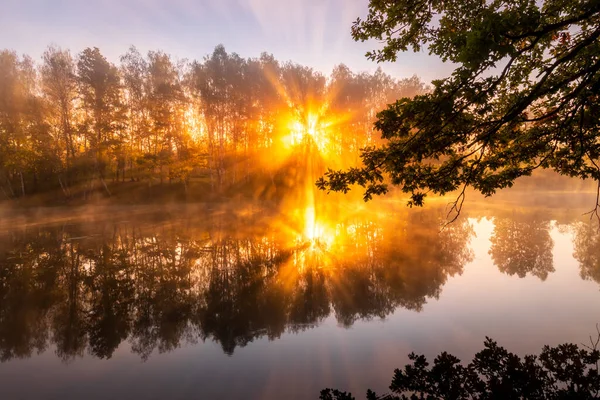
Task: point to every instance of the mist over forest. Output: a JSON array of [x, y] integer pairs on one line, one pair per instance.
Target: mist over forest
[[75, 125]]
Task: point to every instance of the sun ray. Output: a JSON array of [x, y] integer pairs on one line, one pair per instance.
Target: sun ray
[[307, 127]]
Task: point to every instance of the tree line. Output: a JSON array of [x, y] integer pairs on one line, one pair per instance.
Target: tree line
[[81, 121]]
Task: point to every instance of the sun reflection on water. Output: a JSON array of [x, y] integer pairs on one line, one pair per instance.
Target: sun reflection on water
[[316, 237], [309, 126]]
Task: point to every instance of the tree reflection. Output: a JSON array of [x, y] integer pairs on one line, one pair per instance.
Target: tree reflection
[[309, 299], [397, 265], [521, 245], [90, 288], [68, 320], [587, 249], [28, 280], [242, 300], [111, 295]]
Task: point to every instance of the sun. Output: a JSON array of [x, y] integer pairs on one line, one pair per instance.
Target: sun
[[311, 125], [311, 129]]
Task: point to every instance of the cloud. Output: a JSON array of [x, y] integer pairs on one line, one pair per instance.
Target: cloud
[[295, 21]]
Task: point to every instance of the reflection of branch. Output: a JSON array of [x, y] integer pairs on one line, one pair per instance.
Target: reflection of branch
[[457, 205], [594, 211], [593, 347], [593, 344]]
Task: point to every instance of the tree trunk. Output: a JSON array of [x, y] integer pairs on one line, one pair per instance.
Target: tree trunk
[[22, 184]]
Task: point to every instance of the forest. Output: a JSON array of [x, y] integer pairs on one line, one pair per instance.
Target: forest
[[79, 125]]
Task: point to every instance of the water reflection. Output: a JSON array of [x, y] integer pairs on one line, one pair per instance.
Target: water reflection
[[587, 249], [521, 244], [87, 288]]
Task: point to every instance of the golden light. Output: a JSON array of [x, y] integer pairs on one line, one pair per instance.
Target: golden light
[[316, 234], [309, 139], [309, 223], [311, 126], [194, 124], [311, 131], [314, 230]]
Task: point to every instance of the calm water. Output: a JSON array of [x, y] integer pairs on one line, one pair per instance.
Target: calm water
[[246, 302]]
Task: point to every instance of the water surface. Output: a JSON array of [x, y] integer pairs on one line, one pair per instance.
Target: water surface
[[248, 302]]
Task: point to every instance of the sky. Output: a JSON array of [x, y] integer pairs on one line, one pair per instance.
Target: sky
[[314, 33]]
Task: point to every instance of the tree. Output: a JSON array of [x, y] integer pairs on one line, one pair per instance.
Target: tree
[[26, 148], [524, 95], [215, 82], [134, 71], [59, 86], [165, 100], [100, 91]]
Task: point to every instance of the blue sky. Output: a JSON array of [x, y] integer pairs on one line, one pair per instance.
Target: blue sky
[[310, 32]]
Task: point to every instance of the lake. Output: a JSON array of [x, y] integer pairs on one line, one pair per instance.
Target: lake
[[249, 302]]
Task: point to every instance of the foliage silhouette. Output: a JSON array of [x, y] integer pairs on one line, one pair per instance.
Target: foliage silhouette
[[562, 372]]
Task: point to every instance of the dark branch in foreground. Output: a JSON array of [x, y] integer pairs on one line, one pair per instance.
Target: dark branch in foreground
[[562, 372], [524, 96]]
